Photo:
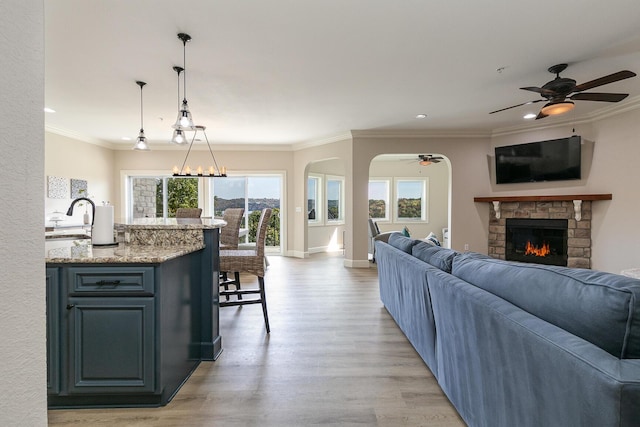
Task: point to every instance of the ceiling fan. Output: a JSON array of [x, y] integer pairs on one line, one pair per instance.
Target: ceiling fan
[[427, 159], [560, 92]]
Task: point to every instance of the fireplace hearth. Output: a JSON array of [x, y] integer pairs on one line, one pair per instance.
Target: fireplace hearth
[[540, 241]]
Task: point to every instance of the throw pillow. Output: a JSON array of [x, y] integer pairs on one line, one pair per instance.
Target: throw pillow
[[432, 239], [406, 233]]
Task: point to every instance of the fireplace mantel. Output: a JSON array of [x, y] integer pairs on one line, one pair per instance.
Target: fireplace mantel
[[554, 198], [576, 198]]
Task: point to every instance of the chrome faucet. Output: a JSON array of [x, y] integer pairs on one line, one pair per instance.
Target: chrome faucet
[[93, 206]]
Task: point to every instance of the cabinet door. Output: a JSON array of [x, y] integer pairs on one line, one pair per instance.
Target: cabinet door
[[53, 330], [111, 345]]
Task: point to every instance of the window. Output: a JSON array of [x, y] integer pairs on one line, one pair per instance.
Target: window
[[314, 211], [159, 197], [253, 193], [335, 199], [411, 200], [379, 199]]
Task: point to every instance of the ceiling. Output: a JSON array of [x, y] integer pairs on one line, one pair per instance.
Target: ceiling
[[287, 71]]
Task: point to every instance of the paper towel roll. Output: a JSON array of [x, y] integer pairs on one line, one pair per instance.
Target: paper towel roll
[[102, 233]]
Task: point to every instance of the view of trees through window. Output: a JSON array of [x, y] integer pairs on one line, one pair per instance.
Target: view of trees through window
[[181, 193], [409, 199], [253, 193], [334, 192], [378, 197]]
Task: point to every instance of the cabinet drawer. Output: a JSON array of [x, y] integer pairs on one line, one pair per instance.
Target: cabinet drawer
[[110, 280]]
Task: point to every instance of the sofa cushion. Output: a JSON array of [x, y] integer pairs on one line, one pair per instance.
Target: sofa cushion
[[397, 240], [437, 256], [602, 308]]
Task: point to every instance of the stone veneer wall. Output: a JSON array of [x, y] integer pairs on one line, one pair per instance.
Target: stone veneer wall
[[579, 233], [144, 197]]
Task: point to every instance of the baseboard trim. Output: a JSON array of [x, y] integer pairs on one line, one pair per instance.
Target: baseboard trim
[[357, 263], [297, 254]]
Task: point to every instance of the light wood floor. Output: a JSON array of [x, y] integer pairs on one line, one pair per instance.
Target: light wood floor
[[334, 357]]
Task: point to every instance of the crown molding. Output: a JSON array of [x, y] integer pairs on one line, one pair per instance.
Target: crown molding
[[79, 137], [418, 133], [322, 141], [202, 146]]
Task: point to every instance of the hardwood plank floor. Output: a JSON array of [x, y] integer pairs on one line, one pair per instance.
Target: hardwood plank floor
[[334, 357]]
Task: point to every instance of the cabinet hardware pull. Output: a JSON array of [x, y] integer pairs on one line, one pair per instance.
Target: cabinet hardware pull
[[108, 282], [70, 306]]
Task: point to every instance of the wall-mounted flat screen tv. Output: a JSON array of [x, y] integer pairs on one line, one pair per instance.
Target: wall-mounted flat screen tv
[[553, 160]]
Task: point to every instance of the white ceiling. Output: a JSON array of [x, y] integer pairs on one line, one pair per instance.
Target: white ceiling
[[292, 71]]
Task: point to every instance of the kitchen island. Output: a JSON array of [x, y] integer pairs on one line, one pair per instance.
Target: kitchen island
[[127, 325]]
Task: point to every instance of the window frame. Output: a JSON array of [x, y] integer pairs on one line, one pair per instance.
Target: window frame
[[387, 209], [341, 199], [319, 220], [424, 203]]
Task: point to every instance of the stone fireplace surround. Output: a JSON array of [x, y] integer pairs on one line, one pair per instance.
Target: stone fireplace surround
[[575, 208]]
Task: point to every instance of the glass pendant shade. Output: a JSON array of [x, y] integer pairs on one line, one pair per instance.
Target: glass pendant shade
[[184, 121], [179, 137], [141, 142]]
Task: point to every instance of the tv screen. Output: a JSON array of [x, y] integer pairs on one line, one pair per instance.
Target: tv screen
[[553, 160]]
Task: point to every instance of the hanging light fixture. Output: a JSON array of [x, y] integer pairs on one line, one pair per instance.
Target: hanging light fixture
[[554, 108], [141, 141], [179, 136], [212, 171], [184, 120], [185, 123]]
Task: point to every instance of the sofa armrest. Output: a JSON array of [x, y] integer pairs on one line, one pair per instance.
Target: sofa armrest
[[384, 237]]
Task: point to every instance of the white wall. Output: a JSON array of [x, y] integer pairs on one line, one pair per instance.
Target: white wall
[[611, 160], [22, 282], [469, 178], [69, 158], [437, 175]]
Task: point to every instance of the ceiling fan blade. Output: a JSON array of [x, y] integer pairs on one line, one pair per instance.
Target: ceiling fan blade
[[519, 105], [541, 115], [604, 97], [540, 90], [620, 75]]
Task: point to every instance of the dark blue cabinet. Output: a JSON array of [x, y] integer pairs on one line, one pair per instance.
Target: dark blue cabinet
[[53, 330], [127, 334], [111, 345]]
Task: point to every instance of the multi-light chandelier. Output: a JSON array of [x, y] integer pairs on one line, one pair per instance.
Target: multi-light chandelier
[[184, 123]]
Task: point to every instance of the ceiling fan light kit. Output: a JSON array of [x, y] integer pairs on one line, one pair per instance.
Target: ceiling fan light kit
[[555, 108], [428, 159], [560, 92]]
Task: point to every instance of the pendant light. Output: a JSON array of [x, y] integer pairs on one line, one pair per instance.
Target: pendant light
[[184, 120], [179, 136], [141, 141]]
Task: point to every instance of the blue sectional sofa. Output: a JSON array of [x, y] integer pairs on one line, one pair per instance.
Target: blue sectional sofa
[[515, 344]]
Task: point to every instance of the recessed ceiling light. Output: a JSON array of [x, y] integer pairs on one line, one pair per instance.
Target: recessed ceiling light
[[126, 138], [421, 116], [49, 110], [529, 116]]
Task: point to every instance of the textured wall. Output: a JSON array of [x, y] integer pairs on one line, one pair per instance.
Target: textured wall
[[22, 282]]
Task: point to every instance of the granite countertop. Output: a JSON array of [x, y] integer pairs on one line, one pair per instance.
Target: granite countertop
[[171, 223], [81, 251]]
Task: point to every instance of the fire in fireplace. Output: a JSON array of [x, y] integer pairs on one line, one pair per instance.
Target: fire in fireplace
[[541, 241]]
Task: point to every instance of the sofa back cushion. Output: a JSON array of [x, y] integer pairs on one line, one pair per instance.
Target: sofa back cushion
[[437, 256], [602, 308], [397, 240]]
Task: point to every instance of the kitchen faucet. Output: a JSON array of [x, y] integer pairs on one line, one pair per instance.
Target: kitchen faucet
[[93, 208]]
